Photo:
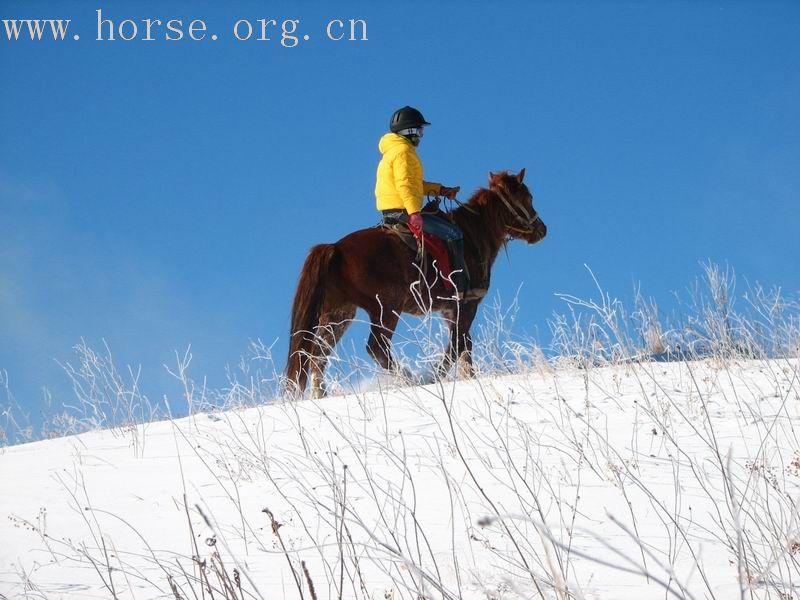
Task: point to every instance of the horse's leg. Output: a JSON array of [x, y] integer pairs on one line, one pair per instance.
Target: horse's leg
[[449, 357], [332, 326], [460, 345], [465, 367], [379, 345]]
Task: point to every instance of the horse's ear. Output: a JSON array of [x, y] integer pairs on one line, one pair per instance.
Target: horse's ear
[[521, 175], [491, 176]]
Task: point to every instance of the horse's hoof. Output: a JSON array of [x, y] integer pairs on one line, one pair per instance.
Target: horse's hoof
[[319, 391], [428, 378], [407, 376], [292, 390], [318, 387]]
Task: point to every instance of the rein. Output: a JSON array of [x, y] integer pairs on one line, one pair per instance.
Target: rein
[[458, 202]]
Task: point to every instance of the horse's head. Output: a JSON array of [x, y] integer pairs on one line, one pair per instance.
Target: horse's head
[[522, 220]]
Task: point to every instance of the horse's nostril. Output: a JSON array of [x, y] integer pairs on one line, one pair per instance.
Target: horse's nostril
[[539, 233]]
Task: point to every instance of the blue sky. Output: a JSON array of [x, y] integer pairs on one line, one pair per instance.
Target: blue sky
[[161, 194]]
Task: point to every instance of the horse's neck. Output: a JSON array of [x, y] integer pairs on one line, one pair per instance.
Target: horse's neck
[[486, 234]]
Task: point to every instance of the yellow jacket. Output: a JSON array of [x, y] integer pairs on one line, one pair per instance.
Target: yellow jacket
[[399, 179]]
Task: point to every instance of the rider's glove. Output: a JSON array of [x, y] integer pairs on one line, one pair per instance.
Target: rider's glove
[[449, 192], [415, 224]]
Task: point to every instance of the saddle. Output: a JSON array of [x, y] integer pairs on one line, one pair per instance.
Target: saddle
[[404, 233], [402, 230], [431, 245]]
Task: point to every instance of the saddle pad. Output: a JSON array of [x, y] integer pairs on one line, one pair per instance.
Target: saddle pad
[[404, 232]]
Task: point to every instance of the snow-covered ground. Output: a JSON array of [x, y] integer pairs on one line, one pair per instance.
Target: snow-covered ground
[[631, 481]]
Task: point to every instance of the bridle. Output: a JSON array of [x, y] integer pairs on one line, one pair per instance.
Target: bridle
[[519, 215]]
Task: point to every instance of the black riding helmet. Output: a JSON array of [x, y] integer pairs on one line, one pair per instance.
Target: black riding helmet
[[406, 117]]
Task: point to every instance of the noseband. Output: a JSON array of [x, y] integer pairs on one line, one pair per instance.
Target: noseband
[[519, 215]]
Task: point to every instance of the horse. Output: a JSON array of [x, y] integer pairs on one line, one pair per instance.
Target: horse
[[375, 270]]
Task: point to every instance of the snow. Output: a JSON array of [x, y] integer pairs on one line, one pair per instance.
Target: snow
[[627, 481]]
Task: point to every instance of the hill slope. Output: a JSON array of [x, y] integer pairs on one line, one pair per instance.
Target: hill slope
[[617, 482]]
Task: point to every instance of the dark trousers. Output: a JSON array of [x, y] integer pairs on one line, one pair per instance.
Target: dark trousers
[[447, 232]]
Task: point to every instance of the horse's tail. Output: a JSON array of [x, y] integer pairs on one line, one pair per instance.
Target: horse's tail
[[306, 312]]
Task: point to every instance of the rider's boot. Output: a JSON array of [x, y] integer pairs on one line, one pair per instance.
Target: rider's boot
[[460, 274]]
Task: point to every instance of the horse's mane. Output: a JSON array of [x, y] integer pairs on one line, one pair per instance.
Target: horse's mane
[[483, 218]]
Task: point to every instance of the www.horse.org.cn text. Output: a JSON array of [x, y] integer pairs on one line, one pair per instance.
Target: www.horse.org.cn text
[[287, 33]]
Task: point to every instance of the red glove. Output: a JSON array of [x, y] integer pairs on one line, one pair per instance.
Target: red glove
[[415, 224]]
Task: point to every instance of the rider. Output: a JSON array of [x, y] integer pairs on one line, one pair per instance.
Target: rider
[[400, 188]]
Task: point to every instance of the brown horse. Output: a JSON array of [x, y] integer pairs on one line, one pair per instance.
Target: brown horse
[[374, 269]]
